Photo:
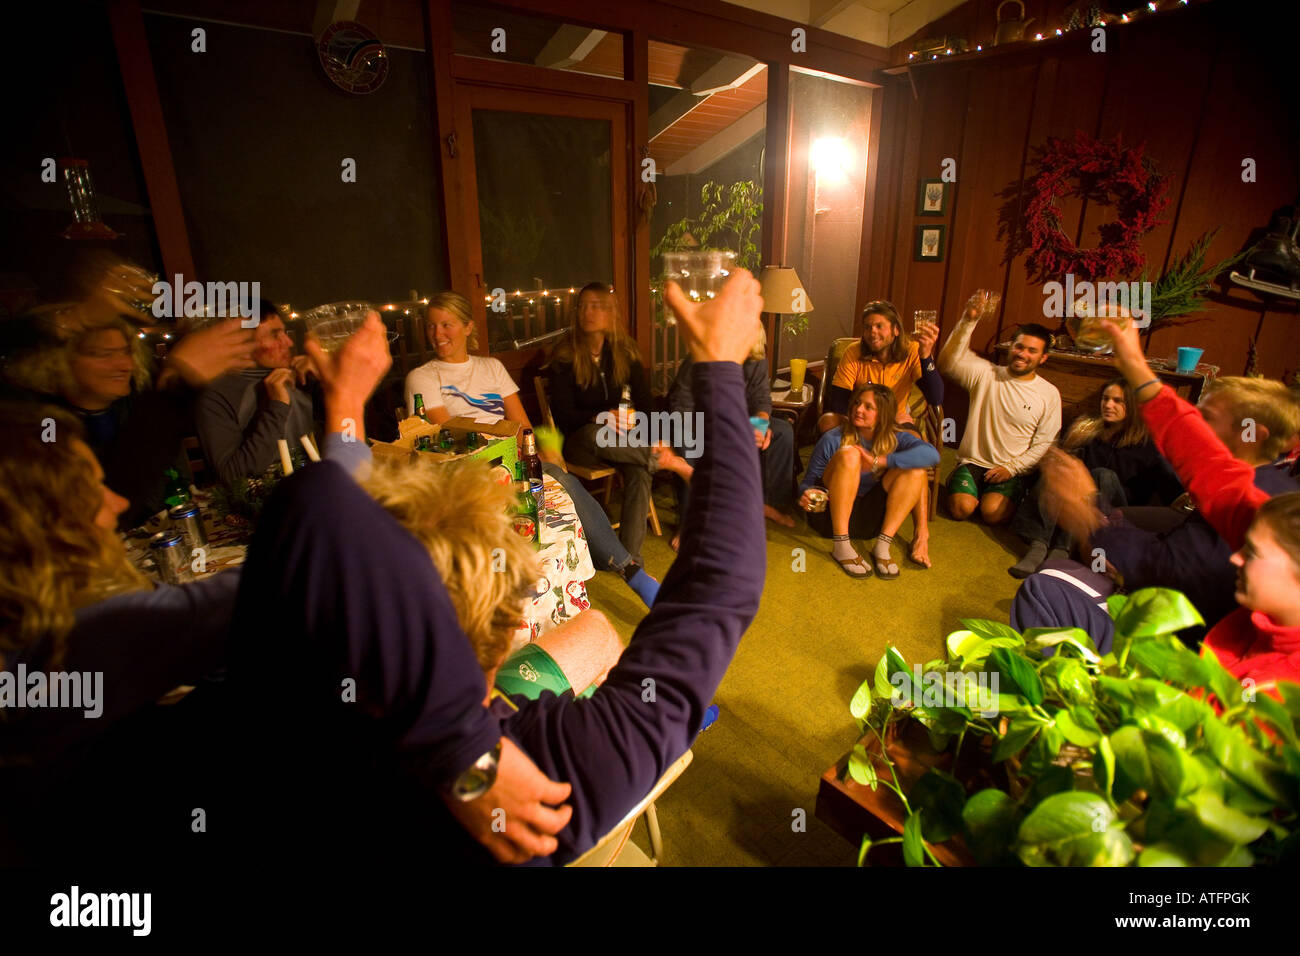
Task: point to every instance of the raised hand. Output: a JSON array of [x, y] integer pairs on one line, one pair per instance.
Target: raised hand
[[1069, 494], [926, 339], [350, 376], [722, 329], [277, 385], [207, 354]]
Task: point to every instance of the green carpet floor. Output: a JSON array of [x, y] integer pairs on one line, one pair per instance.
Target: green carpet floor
[[784, 702]]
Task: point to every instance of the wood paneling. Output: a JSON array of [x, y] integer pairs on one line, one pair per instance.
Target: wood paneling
[[709, 118], [1199, 89]]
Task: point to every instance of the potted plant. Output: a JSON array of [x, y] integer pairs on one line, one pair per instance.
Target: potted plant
[[1148, 755]]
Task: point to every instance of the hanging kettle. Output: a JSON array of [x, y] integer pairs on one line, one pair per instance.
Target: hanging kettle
[[1009, 31]]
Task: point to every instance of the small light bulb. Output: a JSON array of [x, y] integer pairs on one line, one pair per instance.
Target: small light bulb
[[910, 55], [1123, 18], [140, 334], [167, 335], [947, 52], [1151, 7], [978, 48], [1058, 32], [1038, 36]]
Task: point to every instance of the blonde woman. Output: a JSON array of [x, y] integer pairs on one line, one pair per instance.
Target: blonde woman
[[588, 373], [457, 383], [848, 462], [479, 387]]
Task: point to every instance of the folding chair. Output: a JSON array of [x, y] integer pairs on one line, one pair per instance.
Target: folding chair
[[615, 848]]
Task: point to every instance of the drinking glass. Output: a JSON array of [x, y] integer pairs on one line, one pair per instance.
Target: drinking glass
[[1085, 328], [923, 317], [334, 323], [701, 273]]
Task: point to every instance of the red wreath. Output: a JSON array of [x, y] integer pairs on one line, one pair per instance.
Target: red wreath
[[1100, 171]]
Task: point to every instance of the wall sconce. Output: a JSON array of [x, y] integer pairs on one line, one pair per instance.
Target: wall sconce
[[830, 158]]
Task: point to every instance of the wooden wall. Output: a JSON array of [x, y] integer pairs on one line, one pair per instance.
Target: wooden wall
[[1202, 88]]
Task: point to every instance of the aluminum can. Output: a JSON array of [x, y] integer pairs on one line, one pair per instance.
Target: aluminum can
[[188, 520], [171, 557]]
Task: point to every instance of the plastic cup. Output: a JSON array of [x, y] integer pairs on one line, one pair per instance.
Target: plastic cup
[[334, 323], [1188, 357], [797, 369], [701, 273]]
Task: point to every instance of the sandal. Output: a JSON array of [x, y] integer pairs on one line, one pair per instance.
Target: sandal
[[883, 566], [854, 567]]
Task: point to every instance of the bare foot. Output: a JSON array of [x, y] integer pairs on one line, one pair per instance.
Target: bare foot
[[921, 552], [771, 514], [676, 542]]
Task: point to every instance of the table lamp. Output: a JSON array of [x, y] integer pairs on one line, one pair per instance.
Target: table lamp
[[783, 294]]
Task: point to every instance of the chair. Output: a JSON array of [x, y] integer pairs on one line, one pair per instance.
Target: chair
[[929, 419], [584, 473], [615, 847], [200, 473]]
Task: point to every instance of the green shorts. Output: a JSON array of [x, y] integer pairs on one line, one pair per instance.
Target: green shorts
[[969, 480], [530, 670]]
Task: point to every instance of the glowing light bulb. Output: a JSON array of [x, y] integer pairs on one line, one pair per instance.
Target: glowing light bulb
[[1058, 32], [1038, 36]]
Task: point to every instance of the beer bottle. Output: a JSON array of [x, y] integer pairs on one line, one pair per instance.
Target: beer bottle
[[625, 404], [533, 470], [419, 407], [525, 522], [176, 491]]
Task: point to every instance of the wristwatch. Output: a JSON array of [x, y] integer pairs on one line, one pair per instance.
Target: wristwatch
[[478, 779]]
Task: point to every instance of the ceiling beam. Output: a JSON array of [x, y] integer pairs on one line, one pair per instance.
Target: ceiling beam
[[822, 11], [727, 74], [721, 143], [568, 46]]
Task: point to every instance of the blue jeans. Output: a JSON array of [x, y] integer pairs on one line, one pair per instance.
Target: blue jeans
[[607, 551]]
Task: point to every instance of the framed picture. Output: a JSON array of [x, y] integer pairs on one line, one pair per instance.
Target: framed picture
[[932, 198], [929, 244]]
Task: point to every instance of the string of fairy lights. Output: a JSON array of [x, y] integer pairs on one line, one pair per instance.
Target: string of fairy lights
[[1094, 18]]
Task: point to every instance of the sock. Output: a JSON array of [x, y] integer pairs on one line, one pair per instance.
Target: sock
[[881, 550], [710, 715], [646, 587], [1058, 554], [842, 548], [1030, 562]]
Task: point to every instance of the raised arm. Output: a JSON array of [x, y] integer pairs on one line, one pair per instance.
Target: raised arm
[[614, 746], [957, 360]]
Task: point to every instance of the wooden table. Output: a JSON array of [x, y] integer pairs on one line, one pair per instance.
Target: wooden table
[[1080, 377]]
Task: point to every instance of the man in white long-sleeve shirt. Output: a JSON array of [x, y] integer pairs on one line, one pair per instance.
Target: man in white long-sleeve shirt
[[1015, 416]]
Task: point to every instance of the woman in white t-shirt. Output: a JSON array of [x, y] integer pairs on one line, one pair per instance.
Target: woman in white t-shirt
[[457, 383], [479, 387]]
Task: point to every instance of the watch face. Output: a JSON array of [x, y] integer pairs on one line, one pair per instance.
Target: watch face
[[473, 783]]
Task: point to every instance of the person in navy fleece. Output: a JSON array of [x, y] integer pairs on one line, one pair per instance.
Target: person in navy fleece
[[849, 461], [336, 588]]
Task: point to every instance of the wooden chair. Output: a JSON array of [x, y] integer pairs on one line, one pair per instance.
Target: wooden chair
[[929, 419], [605, 474], [615, 847]]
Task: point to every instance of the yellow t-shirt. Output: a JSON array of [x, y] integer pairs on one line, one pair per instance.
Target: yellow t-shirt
[[899, 376]]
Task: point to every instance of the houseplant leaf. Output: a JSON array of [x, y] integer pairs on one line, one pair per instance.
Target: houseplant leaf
[[1073, 829], [1132, 766], [1219, 818], [942, 798], [1019, 672], [913, 843], [991, 820], [1021, 731], [1074, 726], [1151, 612], [860, 705], [991, 629], [1176, 664], [1247, 765], [1163, 854], [1076, 637], [1225, 687], [861, 767]]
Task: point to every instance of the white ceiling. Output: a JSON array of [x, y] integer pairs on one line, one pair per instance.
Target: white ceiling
[[882, 22]]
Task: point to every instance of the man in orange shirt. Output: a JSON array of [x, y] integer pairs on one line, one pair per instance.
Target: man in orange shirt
[[884, 356]]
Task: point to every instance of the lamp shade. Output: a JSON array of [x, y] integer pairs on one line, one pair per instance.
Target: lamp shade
[[783, 292]]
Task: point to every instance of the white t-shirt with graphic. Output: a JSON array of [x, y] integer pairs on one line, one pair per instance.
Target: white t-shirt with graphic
[[475, 389]]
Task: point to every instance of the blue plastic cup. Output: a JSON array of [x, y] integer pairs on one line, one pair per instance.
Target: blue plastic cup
[[760, 424], [1187, 358]]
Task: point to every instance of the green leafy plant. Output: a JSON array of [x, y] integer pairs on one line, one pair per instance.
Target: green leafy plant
[[731, 217], [1181, 290], [1095, 760]]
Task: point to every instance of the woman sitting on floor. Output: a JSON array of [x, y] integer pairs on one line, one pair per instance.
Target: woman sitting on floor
[[1116, 448], [479, 387], [849, 461]]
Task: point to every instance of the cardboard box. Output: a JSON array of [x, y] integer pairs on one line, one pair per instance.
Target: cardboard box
[[502, 449]]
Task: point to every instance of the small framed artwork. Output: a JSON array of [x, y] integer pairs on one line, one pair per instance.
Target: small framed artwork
[[929, 244], [932, 198]]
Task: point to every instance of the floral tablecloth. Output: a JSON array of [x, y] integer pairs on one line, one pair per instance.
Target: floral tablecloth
[[560, 591], [565, 559]]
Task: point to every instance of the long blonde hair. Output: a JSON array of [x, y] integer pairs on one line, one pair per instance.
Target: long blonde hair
[[457, 305], [884, 439], [573, 350], [461, 517], [54, 559]]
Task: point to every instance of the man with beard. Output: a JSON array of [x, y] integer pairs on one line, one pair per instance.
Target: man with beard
[[1014, 418]]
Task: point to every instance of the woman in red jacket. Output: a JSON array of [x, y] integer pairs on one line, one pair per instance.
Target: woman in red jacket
[[1261, 639]]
